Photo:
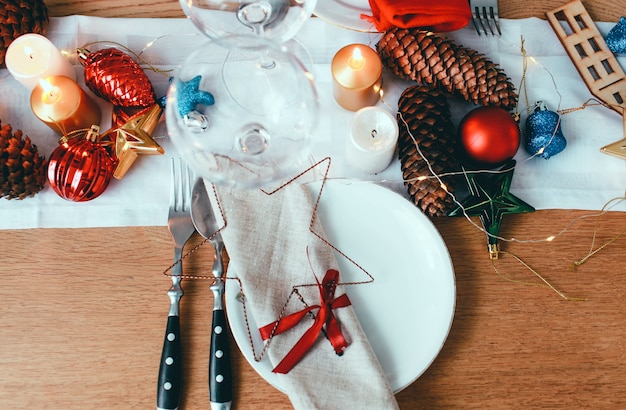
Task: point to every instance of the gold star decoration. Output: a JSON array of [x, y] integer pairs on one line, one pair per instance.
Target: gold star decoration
[[617, 148], [134, 138]]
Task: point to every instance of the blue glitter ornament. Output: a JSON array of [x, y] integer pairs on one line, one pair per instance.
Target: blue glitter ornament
[[543, 134], [189, 96], [616, 38]]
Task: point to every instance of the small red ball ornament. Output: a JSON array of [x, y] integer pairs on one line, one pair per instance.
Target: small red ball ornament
[[80, 168], [489, 135]]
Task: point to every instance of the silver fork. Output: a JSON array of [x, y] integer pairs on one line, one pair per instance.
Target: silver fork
[[485, 17], [181, 228]]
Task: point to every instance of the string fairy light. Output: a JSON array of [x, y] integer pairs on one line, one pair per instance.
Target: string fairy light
[[438, 177], [592, 251], [138, 56], [550, 238], [527, 60]]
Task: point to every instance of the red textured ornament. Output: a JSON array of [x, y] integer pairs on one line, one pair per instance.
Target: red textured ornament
[[113, 75], [80, 169], [489, 135]]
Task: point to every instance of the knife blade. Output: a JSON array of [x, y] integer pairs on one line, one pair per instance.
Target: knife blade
[[220, 374]]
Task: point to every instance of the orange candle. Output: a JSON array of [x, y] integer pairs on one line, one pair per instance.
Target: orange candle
[[61, 104], [357, 76]]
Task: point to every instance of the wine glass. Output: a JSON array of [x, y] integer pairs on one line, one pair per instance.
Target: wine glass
[[277, 20], [254, 127]]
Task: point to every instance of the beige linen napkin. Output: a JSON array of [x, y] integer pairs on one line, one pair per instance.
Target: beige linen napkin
[[267, 238]]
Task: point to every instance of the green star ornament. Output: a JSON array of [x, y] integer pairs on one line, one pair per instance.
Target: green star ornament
[[490, 199]]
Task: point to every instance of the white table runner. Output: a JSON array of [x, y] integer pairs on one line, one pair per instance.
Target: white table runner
[[578, 178]]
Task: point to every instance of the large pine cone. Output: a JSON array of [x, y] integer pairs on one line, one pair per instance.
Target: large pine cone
[[433, 60], [425, 122], [22, 170], [19, 17]]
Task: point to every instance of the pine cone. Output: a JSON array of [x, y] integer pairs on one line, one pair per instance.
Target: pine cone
[[438, 62], [427, 116], [19, 17], [22, 170]]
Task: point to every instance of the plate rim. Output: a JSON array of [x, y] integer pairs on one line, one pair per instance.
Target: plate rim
[[272, 378], [323, 9]]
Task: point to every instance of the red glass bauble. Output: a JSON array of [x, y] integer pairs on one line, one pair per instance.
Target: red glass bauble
[[489, 135], [113, 75], [80, 169]]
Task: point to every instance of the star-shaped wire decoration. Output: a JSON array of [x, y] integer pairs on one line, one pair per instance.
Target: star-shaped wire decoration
[[490, 199], [134, 138], [190, 95]]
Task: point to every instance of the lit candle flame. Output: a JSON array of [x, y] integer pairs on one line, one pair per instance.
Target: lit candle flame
[[51, 94], [28, 51], [356, 62]]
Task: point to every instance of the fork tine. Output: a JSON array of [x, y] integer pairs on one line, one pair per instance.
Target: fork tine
[[485, 17], [496, 20], [186, 177], [172, 183], [180, 189]]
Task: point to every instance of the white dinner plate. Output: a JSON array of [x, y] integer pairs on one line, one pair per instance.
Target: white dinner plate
[[346, 14], [407, 311]]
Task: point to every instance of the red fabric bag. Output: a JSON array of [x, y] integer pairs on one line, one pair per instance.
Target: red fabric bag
[[434, 15]]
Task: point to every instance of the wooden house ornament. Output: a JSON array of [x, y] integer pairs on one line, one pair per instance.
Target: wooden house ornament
[[594, 61]]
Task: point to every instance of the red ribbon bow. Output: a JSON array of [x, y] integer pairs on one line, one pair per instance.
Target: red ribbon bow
[[325, 316]]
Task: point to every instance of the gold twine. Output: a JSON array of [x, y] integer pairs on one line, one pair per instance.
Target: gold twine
[[592, 251], [544, 282]]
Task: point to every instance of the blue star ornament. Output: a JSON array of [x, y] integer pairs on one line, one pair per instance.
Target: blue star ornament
[[490, 199], [189, 96]]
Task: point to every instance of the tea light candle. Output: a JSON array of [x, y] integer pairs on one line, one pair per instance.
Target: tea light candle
[[61, 104], [357, 76], [372, 140], [32, 56]]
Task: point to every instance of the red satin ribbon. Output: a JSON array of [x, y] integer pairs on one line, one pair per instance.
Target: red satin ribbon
[[325, 316]]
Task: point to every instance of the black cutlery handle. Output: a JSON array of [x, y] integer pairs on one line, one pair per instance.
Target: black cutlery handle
[[220, 374], [170, 370]]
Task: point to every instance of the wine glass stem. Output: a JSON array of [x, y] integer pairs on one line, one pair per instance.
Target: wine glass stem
[[265, 61]]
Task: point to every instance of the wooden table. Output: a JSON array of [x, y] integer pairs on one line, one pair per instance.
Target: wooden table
[[83, 310]]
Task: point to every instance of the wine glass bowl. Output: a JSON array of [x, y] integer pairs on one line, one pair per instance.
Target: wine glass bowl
[[255, 128], [278, 20]]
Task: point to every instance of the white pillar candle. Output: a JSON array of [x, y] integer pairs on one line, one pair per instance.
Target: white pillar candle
[[32, 56], [372, 140]]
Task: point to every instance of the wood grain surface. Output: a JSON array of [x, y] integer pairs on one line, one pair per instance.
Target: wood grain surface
[[82, 311]]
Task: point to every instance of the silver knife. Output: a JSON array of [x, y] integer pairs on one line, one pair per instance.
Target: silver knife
[[220, 374]]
